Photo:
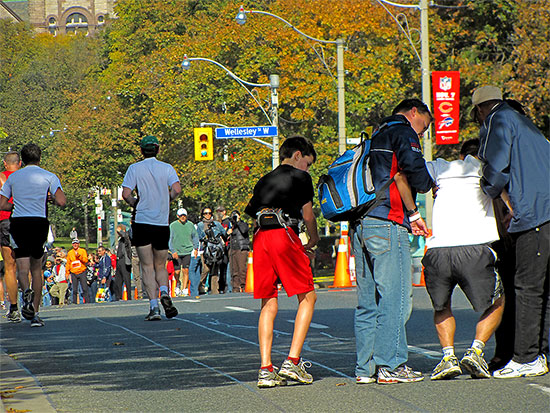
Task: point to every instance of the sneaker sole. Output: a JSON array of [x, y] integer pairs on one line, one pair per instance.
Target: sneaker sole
[[264, 384], [474, 370], [293, 376], [14, 321], [37, 325], [367, 380], [169, 310], [447, 375], [396, 381], [156, 318], [542, 373]]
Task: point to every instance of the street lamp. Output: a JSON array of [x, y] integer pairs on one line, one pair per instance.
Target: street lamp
[[424, 59], [273, 85], [241, 19]]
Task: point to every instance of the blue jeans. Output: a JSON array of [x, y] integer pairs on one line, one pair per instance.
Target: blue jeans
[[384, 295], [194, 276]]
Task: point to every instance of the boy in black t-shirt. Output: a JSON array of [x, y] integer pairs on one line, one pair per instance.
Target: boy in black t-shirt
[[279, 256]]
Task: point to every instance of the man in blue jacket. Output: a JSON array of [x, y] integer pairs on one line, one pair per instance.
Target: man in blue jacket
[[382, 251], [516, 167]]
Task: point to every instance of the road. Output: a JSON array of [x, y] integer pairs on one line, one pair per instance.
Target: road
[[103, 357]]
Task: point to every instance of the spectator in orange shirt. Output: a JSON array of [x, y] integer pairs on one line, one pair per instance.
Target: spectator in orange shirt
[[76, 266]]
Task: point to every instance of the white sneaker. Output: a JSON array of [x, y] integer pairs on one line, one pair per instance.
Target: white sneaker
[[364, 380], [185, 292], [537, 367], [177, 291]]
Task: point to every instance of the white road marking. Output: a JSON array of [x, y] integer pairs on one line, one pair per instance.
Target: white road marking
[[199, 363], [435, 355], [541, 387], [241, 309], [257, 345], [312, 325]]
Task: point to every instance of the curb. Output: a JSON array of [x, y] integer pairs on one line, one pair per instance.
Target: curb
[[20, 390]]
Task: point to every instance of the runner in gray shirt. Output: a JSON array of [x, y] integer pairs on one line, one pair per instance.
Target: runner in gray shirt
[[156, 184], [31, 188]]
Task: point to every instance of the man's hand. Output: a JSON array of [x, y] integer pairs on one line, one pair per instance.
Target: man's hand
[[419, 227], [175, 255]]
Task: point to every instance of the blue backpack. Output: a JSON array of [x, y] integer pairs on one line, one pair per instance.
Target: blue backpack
[[346, 192]]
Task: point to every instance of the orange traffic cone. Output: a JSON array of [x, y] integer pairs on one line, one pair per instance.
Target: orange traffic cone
[[249, 287], [341, 274], [125, 294], [173, 283]]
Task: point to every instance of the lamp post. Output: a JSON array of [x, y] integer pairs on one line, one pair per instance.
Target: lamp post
[[241, 19], [273, 85], [424, 59]]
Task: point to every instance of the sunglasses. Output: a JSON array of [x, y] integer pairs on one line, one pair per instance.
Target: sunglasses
[[207, 213]]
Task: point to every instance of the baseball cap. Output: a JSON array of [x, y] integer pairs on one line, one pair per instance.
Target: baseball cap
[[181, 211], [483, 94], [220, 208], [149, 140], [75, 241]]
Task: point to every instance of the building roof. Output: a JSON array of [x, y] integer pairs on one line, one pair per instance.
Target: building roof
[[18, 9]]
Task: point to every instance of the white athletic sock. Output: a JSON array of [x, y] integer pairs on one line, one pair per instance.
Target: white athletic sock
[[448, 351], [478, 345]]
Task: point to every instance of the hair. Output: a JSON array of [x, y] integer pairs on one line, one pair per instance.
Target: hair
[[235, 211], [150, 151], [470, 147], [121, 226], [296, 143], [12, 158], [408, 104], [30, 154]]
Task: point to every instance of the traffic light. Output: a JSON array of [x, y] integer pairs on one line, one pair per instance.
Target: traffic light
[[204, 144]]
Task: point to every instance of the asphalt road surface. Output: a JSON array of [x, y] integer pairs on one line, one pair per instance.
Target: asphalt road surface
[[104, 357]]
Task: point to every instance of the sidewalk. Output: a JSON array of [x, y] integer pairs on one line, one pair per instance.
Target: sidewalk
[[19, 389]]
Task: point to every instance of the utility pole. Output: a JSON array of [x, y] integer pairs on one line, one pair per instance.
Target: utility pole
[[274, 85], [426, 93]]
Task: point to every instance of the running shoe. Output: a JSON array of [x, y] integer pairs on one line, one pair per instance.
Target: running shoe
[[27, 310], [37, 321], [268, 378], [447, 368], [403, 374], [154, 314], [364, 380], [474, 363], [13, 316], [296, 372], [537, 367], [169, 309]]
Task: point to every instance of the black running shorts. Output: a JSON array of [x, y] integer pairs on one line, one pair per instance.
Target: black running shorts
[[5, 233], [28, 236], [155, 235], [182, 261], [472, 267]]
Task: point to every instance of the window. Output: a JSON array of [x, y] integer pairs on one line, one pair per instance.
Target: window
[[77, 23], [52, 25]]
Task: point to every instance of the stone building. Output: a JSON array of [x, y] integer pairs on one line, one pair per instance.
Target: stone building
[[59, 16]]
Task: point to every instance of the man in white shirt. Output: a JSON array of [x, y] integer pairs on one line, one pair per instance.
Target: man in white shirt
[[156, 183], [31, 187], [459, 253]]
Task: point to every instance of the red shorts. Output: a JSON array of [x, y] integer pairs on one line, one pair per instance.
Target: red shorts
[[279, 257]]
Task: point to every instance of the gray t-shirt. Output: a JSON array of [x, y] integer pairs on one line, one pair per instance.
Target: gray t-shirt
[[152, 179], [29, 187]]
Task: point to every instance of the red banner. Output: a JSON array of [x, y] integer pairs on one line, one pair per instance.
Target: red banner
[[446, 94]]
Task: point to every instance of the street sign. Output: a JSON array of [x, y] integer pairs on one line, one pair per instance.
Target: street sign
[[246, 132]]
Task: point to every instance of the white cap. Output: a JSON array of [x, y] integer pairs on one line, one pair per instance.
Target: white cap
[[181, 211]]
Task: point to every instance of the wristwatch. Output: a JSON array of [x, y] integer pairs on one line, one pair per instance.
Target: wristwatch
[[412, 211]]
